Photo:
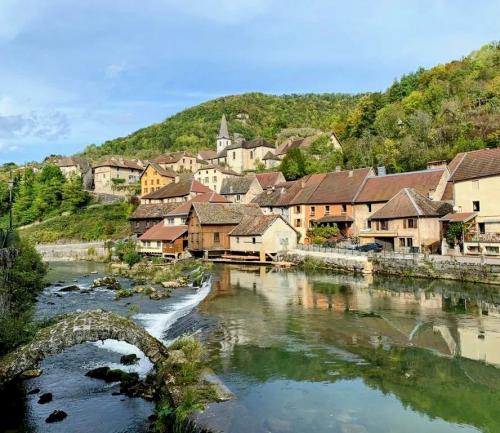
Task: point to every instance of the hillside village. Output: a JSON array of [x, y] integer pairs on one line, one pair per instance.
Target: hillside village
[[233, 203]]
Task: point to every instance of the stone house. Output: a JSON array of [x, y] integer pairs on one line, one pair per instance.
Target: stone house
[[177, 192], [474, 186], [117, 176], [180, 162], [164, 241], [242, 155], [271, 201], [146, 216], [155, 177], [377, 190], [303, 144], [408, 222], [75, 166], [214, 175], [209, 225], [241, 189], [270, 160], [264, 235]]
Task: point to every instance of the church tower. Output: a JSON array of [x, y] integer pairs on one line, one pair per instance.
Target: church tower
[[223, 139]]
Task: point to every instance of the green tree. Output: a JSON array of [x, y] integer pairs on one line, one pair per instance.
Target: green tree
[[73, 195], [47, 191], [293, 165], [23, 205]]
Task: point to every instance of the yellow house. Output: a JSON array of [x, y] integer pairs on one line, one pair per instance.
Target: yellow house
[[214, 175], [154, 177], [474, 186], [408, 222]]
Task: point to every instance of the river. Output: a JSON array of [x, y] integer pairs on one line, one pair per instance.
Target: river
[[302, 352]]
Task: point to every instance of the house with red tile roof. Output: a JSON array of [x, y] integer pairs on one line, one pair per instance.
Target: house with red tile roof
[[183, 190], [376, 191], [164, 241], [408, 222], [474, 186], [115, 175], [324, 199], [270, 179]]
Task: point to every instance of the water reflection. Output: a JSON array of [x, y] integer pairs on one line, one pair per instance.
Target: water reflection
[[322, 352]]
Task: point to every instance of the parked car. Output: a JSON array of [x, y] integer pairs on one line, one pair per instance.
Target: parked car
[[375, 246]]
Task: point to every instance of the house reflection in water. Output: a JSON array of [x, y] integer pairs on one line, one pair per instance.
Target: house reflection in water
[[440, 316]]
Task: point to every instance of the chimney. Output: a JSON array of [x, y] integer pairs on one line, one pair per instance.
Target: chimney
[[381, 170], [337, 168]]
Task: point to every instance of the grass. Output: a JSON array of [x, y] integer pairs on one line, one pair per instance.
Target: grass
[[100, 222]]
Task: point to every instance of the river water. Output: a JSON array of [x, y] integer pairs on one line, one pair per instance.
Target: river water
[[302, 352]]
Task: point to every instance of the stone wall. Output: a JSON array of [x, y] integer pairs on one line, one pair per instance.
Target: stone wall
[[443, 269], [95, 250]]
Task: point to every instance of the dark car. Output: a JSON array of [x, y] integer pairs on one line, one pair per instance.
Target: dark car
[[375, 246]]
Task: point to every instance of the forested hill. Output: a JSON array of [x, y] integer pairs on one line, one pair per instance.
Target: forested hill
[[426, 115]]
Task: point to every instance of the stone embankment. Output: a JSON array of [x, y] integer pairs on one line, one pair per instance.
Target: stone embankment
[[407, 265], [95, 250]]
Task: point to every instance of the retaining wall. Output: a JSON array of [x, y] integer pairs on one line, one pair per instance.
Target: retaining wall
[[95, 250]]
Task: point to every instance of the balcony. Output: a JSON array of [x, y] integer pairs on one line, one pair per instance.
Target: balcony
[[380, 233], [491, 238]]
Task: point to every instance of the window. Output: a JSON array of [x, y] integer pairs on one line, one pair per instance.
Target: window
[[475, 206], [402, 242], [216, 237], [253, 240], [492, 250], [238, 197], [382, 225], [237, 239], [297, 209], [369, 206], [146, 182], [215, 179], [170, 221], [157, 181], [344, 208], [157, 243], [207, 179], [298, 222], [313, 210], [327, 209], [410, 223], [145, 190], [409, 242], [183, 220], [369, 224], [251, 154], [234, 155], [482, 228]]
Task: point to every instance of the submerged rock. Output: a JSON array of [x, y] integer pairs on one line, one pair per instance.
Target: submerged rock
[[129, 359], [56, 416], [72, 288], [109, 375], [45, 398], [33, 391], [98, 373], [30, 374]]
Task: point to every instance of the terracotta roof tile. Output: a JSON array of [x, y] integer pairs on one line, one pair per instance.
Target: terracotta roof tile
[[119, 162], [237, 185], [161, 232], [409, 203], [460, 217], [268, 180], [383, 188], [206, 197], [475, 164], [173, 157], [182, 188]]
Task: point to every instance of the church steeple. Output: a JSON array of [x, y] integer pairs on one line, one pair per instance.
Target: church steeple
[[223, 139], [223, 131]]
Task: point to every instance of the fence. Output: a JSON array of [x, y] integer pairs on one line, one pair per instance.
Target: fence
[[352, 252]]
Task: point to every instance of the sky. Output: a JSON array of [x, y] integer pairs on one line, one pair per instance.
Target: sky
[[74, 73]]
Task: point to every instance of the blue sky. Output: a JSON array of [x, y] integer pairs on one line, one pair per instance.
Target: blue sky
[[79, 72]]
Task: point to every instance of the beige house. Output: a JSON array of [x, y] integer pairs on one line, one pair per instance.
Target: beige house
[[474, 186], [241, 189], [264, 236], [214, 175], [75, 166], [377, 190], [242, 155], [408, 222], [117, 176], [180, 162]]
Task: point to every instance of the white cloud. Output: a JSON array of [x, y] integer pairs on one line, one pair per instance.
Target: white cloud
[[50, 125], [114, 70]]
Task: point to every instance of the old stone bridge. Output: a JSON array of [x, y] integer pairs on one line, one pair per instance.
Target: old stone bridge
[[75, 329]]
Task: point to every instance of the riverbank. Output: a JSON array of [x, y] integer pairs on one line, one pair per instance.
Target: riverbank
[[415, 266]]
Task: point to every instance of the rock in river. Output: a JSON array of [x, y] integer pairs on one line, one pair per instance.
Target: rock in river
[[56, 416], [30, 374], [45, 398], [72, 288], [109, 282], [129, 359]]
